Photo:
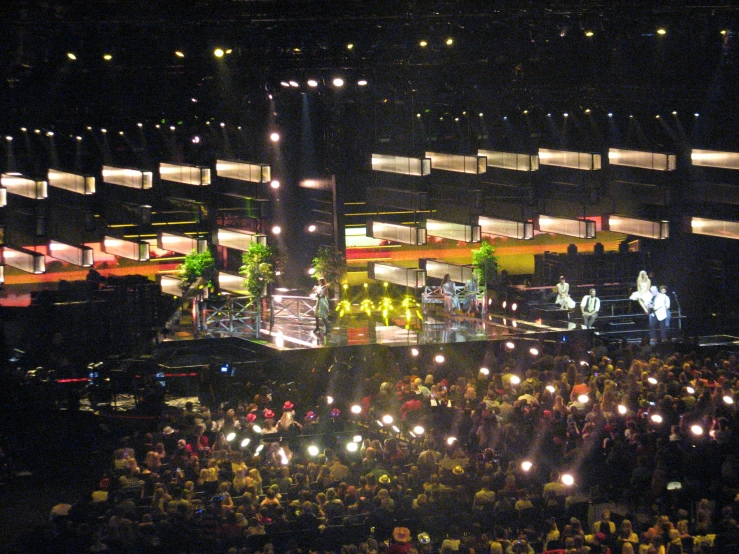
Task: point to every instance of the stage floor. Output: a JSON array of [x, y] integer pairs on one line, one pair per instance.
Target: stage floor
[[293, 333]]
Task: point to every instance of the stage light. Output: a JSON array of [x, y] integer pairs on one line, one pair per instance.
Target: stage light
[[24, 129], [661, 31], [505, 304], [534, 351], [285, 84], [566, 114], [222, 124], [514, 307], [418, 430], [449, 41], [78, 138], [350, 46], [674, 113], [312, 271], [423, 44], [439, 358], [121, 133], [551, 389], [312, 83], [245, 443], [387, 419], [526, 465], [395, 428], [728, 399], [656, 418], [414, 351], [257, 429], [589, 33], [352, 446], [218, 52], [231, 436], [139, 125], [510, 345], [338, 82], [229, 51], [293, 84], [379, 423], [259, 449], [9, 138], [313, 450], [652, 381], [515, 380], [196, 139], [357, 438], [172, 128], [451, 440], [50, 133], [356, 409], [568, 480], [484, 371], [179, 53], [690, 390], [37, 131], [311, 228], [480, 114], [587, 110], [610, 114], [723, 32], [71, 56], [275, 184], [329, 400], [583, 398], [362, 82], [107, 57], [274, 137], [697, 430], [622, 409]]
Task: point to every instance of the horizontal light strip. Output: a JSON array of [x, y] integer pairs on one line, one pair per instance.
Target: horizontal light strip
[[181, 244], [655, 161], [396, 232], [523, 230], [25, 260], [76, 255], [714, 227], [510, 160], [137, 250], [637, 227], [572, 160], [128, 177], [581, 228], [17, 184], [327, 183], [457, 273], [186, 174], [417, 167], [475, 165], [404, 276], [714, 158], [244, 171], [79, 184], [452, 231], [238, 239]]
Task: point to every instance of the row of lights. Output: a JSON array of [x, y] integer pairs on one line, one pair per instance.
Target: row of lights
[[587, 111], [337, 82]]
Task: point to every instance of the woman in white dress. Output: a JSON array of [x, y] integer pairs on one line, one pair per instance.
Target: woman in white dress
[[451, 302], [563, 295], [642, 294]]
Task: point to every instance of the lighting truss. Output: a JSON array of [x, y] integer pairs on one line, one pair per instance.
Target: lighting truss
[[181, 244], [713, 227], [137, 250], [25, 260], [713, 158], [17, 184], [75, 255], [237, 239]]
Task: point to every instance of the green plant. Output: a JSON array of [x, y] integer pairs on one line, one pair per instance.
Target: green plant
[[486, 264], [259, 268], [330, 264], [197, 265]]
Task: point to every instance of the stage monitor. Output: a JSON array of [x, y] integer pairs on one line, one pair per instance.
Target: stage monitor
[[405, 234], [638, 227], [25, 260], [655, 161], [522, 230], [513, 161], [137, 250], [417, 167], [452, 231], [181, 244], [186, 174], [580, 228], [17, 184], [714, 158], [75, 255], [129, 178], [404, 276], [244, 171], [72, 182], [572, 160], [475, 165]]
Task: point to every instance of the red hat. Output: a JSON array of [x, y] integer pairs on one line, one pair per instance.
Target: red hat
[[335, 412], [268, 414], [310, 415], [251, 417], [288, 405]]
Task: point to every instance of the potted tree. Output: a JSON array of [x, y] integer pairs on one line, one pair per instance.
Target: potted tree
[[486, 267], [259, 268], [197, 266], [330, 264]]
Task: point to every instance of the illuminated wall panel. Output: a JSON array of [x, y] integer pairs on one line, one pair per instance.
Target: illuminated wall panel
[[475, 165], [457, 273], [581, 228], [713, 158], [25, 260], [131, 249], [404, 276], [171, 285], [510, 160], [356, 237], [404, 166], [714, 227], [79, 184], [23, 186], [571, 160], [125, 177], [244, 171], [396, 232], [187, 174], [181, 244], [523, 230], [452, 231], [238, 239], [655, 161], [638, 227], [76, 255]]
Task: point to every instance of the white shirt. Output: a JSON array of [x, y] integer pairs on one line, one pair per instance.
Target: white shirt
[[659, 306], [592, 302]]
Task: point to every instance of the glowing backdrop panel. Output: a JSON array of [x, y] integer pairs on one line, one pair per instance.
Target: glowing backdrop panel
[[186, 174], [655, 161], [452, 231], [510, 160], [23, 186], [523, 230], [713, 158], [126, 177], [404, 276], [75, 255], [474, 165], [72, 182], [571, 160], [404, 166], [244, 171]]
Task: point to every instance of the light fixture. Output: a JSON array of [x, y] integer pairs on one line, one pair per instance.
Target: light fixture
[[257, 429], [652, 381], [551, 389], [414, 351], [275, 184], [589, 33], [583, 398], [387, 419], [661, 31], [338, 82], [293, 84], [356, 409], [690, 390], [71, 56], [352, 446], [329, 400], [313, 450], [357, 438], [418, 430], [312, 83], [534, 351], [449, 41], [484, 371], [274, 137], [139, 125], [179, 53], [362, 82], [172, 128], [245, 442], [439, 358], [697, 430], [311, 228], [9, 138], [728, 399], [510, 345], [107, 57], [515, 380], [622, 409], [350, 46], [568, 480], [526, 465], [231, 436], [218, 52], [656, 418], [423, 43], [451, 440]]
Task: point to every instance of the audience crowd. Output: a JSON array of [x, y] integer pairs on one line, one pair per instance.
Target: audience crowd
[[633, 449]]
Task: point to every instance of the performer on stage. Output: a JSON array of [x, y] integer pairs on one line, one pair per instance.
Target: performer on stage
[[642, 294], [470, 294], [447, 288], [563, 294], [657, 315], [663, 290], [321, 309], [590, 307]]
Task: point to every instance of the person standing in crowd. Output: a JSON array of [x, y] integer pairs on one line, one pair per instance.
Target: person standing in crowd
[[590, 307], [563, 300], [321, 308]]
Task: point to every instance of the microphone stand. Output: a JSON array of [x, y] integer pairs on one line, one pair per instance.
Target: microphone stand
[[679, 315]]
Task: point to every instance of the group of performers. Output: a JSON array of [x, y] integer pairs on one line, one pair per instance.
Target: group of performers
[[654, 301], [448, 290]]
